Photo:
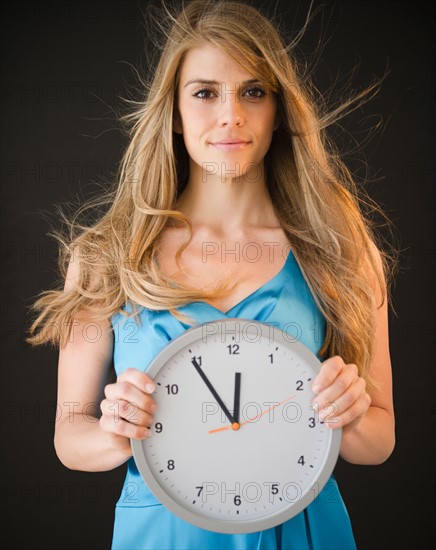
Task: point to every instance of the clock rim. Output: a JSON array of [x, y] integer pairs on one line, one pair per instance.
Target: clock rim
[[236, 526]]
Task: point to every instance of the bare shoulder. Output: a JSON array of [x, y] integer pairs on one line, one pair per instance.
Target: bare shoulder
[[377, 274], [73, 272], [85, 362], [78, 275], [82, 323]]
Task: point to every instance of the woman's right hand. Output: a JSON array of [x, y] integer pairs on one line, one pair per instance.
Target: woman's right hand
[[128, 408]]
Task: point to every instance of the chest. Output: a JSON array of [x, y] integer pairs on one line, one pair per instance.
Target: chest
[[247, 264]]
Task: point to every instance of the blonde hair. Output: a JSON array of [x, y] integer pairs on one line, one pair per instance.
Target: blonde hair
[[313, 193]]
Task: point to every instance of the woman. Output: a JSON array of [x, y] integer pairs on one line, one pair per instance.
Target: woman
[[228, 151]]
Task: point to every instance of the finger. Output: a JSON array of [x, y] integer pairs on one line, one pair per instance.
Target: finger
[[330, 405], [124, 428], [353, 393], [330, 369], [125, 391], [127, 411], [137, 378], [358, 409], [346, 377]]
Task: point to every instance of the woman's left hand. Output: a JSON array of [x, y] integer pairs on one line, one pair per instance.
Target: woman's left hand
[[341, 398]]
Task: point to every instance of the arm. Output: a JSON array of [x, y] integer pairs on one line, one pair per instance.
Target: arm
[[367, 418], [370, 439], [85, 438]]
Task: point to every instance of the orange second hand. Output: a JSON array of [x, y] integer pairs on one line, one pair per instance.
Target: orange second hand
[[267, 410], [254, 417], [220, 429]]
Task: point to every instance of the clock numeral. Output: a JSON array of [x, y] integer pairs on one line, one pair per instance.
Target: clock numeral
[[237, 500], [172, 389], [274, 488], [299, 385], [158, 427], [233, 349], [301, 460], [200, 488], [171, 465], [198, 359], [271, 356], [312, 422]]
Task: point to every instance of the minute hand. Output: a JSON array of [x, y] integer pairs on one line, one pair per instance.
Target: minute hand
[[213, 391]]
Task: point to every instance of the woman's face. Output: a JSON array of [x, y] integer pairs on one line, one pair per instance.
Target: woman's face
[[232, 105]]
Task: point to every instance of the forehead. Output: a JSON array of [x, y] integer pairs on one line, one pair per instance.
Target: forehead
[[211, 63]]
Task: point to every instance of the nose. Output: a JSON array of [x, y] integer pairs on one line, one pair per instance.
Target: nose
[[231, 111]]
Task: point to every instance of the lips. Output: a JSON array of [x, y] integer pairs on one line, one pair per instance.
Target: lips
[[229, 141], [230, 144]]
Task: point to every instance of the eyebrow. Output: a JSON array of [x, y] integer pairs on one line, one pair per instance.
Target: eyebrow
[[215, 82]]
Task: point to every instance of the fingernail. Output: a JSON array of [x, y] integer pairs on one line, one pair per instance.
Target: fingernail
[[149, 388], [317, 388]]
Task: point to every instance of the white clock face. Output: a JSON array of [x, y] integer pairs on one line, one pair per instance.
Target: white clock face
[[236, 444]]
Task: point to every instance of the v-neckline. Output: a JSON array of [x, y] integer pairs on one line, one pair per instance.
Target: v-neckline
[[241, 302]]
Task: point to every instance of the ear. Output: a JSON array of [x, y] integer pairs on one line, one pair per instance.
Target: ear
[[177, 123]]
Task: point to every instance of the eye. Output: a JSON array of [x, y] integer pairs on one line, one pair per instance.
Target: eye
[[203, 93], [255, 93]]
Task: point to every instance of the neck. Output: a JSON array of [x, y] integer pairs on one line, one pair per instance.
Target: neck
[[227, 203]]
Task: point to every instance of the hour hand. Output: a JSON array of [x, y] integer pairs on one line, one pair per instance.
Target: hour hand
[[236, 400], [214, 393]]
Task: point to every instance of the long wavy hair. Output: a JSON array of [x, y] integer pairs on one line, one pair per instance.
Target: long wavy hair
[[320, 207]]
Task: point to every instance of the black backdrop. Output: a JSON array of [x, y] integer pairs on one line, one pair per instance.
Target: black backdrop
[[64, 64]]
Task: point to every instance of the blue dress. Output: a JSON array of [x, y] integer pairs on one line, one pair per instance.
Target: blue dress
[[141, 522]]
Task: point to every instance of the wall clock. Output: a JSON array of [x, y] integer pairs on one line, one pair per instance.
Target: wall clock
[[236, 444]]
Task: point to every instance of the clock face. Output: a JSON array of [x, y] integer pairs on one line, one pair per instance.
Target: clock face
[[236, 444]]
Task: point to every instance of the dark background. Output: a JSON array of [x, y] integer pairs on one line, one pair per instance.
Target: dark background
[[64, 64]]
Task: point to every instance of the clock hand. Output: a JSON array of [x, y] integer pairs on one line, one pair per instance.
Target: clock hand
[[254, 417], [236, 400], [235, 424]]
